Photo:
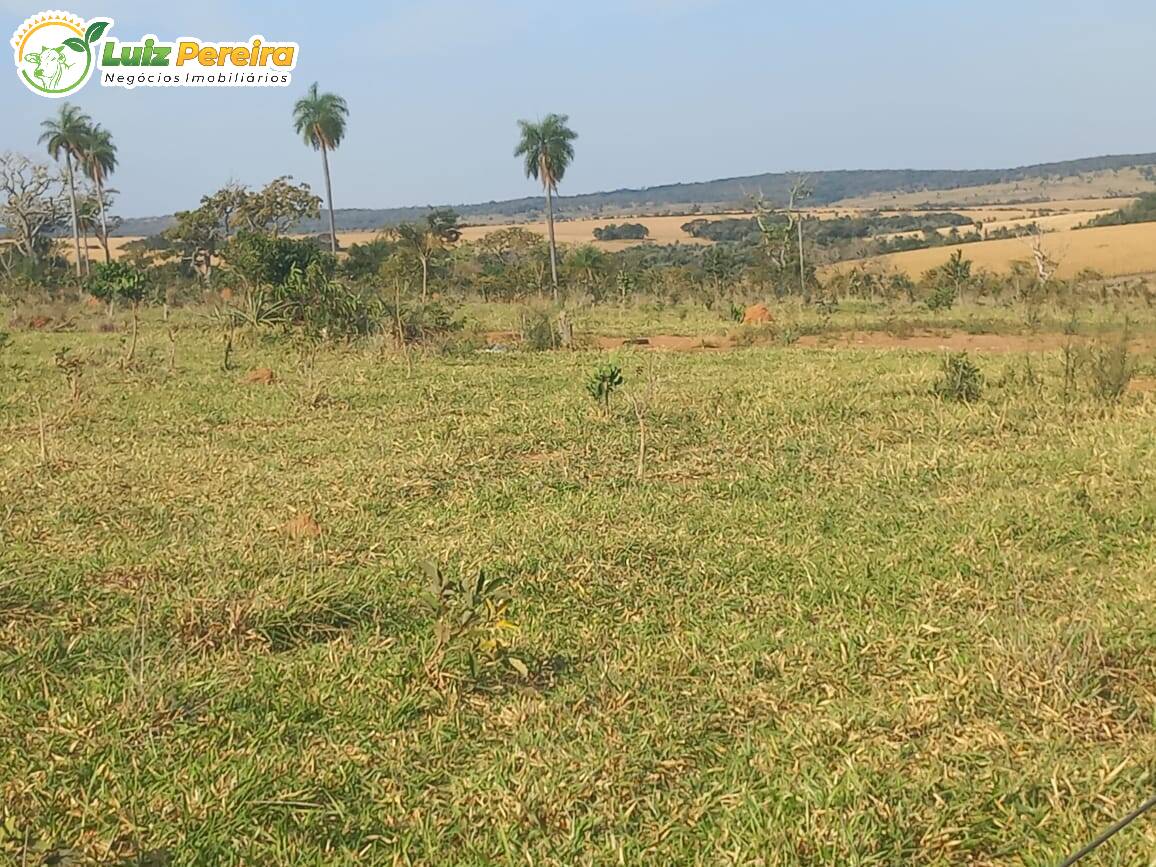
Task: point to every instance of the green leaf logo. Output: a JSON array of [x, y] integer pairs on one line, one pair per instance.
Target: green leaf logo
[[95, 31], [75, 44]]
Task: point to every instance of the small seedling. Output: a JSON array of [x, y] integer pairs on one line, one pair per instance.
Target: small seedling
[[470, 623], [72, 367], [961, 380], [603, 383]]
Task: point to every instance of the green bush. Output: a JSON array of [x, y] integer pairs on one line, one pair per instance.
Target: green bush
[[960, 379], [263, 260], [602, 384], [118, 281]]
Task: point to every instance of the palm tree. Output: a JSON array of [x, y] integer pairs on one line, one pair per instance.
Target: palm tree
[[99, 160], [548, 149], [67, 133], [320, 119]]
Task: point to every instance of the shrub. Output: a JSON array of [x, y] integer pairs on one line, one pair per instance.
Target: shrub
[[942, 297], [117, 281], [960, 379], [1110, 368], [327, 308], [539, 330], [623, 232], [603, 383], [262, 260]]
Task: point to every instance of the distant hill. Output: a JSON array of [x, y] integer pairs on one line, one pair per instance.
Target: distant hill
[[828, 187]]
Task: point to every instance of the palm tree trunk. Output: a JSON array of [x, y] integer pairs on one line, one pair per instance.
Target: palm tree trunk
[[103, 219], [424, 278], [72, 201], [553, 247], [329, 199]]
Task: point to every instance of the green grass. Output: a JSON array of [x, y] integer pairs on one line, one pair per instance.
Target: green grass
[[838, 620]]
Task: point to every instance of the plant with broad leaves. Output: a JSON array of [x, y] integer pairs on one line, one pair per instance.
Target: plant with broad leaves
[[603, 383], [470, 623]]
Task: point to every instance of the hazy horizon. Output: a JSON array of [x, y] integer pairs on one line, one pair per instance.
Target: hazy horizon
[[660, 92]]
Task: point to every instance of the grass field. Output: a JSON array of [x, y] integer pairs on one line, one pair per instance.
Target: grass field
[[836, 620], [1110, 250], [1040, 192]]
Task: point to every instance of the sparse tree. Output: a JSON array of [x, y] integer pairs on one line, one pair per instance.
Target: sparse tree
[[800, 190], [426, 240], [226, 202], [548, 149], [320, 119], [33, 202], [276, 209]]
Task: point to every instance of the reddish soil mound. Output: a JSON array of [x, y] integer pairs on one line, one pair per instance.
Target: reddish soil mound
[[260, 376], [39, 323], [757, 314]]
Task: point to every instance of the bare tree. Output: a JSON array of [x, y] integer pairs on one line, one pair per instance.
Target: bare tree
[[1045, 265], [33, 202], [800, 191]]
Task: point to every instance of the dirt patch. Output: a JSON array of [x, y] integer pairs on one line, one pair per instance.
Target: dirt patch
[[669, 342], [260, 376], [935, 341], [1142, 385]]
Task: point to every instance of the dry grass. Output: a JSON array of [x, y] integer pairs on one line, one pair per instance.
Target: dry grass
[[1113, 251], [1082, 188]]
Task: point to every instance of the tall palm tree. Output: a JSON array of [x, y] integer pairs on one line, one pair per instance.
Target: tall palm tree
[[320, 119], [67, 133], [99, 161], [548, 148]]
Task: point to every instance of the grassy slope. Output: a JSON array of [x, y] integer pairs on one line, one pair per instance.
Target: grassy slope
[[839, 621], [1110, 250]]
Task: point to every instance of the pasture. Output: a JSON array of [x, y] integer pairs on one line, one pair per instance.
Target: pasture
[[1112, 251], [829, 617]]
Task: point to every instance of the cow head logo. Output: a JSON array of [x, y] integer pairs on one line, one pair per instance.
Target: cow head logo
[[56, 52]]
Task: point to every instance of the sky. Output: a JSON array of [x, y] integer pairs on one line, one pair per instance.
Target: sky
[[659, 91]]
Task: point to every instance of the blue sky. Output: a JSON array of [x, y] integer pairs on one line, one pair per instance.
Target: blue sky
[[658, 90]]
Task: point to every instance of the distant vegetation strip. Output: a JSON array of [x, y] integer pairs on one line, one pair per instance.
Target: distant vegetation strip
[[827, 187], [1143, 210]]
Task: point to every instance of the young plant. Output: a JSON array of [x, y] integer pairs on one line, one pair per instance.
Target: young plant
[[72, 367], [1110, 367], [603, 383], [470, 623], [117, 281], [960, 379]]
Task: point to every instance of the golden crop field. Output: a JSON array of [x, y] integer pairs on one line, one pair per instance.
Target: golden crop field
[[1050, 192], [1111, 250]]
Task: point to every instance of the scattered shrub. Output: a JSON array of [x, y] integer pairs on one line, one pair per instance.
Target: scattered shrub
[[960, 379], [539, 330], [603, 383], [1110, 368], [623, 232]]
